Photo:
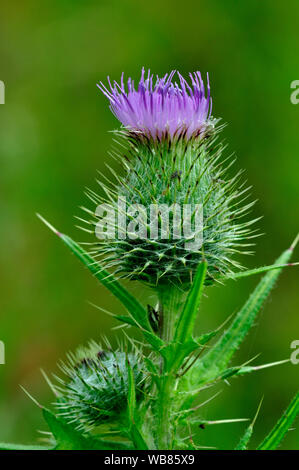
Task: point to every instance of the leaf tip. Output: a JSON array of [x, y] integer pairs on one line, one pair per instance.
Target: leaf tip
[[31, 397], [257, 412], [293, 245], [48, 225]]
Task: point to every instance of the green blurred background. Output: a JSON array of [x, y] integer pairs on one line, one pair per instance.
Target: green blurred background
[[54, 137]]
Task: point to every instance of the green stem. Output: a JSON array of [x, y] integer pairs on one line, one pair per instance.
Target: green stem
[[165, 431], [171, 302]]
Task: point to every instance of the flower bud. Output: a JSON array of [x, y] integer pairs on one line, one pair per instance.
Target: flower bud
[[96, 386]]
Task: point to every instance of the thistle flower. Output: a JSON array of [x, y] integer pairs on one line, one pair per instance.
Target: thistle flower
[[163, 107], [96, 385], [171, 157]]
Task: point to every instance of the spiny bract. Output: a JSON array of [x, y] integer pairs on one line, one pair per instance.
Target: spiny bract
[[96, 385]]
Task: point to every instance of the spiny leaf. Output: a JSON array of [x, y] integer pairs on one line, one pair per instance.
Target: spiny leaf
[[67, 438], [206, 337], [242, 370], [125, 319], [152, 368], [183, 343], [106, 278], [134, 432], [187, 319], [216, 359], [274, 438], [251, 272], [242, 445], [154, 340], [244, 441], [131, 393]]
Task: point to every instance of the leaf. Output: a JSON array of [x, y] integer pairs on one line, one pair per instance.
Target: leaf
[[154, 340], [206, 337], [125, 319], [107, 279], [134, 432], [131, 393], [274, 438], [174, 353], [187, 319], [152, 368], [183, 343], [65, 436], [8, 446], [242, 445], [242, 370], [110, 282], [251, 272], [217, 358], [68, 438], [244, 441]]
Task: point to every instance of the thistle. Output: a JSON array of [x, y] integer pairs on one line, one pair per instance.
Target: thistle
[[96, 385], [183, 207], [172, 163]]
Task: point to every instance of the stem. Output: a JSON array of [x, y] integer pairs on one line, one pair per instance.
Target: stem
[[165, 431], [171, 302]]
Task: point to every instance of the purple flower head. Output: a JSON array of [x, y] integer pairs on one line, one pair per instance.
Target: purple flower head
[[156, 109]]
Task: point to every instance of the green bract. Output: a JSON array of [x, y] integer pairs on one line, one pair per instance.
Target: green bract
[[96, 386], [169, 175]]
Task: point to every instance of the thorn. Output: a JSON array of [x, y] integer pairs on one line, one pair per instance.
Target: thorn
[[256, 414], [277, 363], [48, 225], [294, 243], [49, 383], [101, 309], [227, 421], [251, 360], [31, 397], [206, 401]]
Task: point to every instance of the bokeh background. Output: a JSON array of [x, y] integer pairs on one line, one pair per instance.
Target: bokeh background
[[54, 137]]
